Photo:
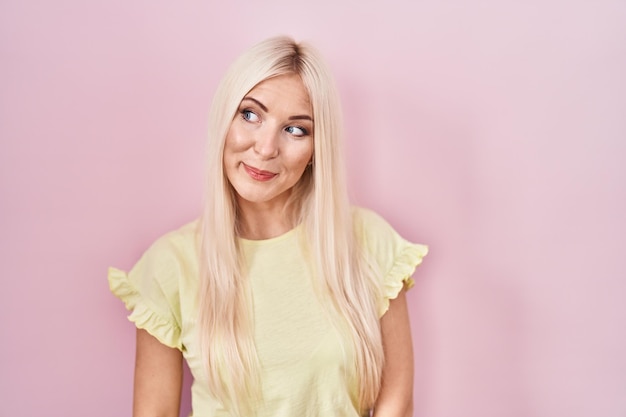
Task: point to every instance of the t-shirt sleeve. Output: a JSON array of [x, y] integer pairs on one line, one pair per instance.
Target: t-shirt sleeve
[[393, 256], [151, 292]]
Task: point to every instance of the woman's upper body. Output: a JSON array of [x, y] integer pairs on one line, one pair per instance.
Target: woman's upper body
[[275, 296], [306, 360]]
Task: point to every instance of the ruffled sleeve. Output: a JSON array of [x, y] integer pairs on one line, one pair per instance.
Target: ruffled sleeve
[[395, 257], [151, 292], [401, 273]]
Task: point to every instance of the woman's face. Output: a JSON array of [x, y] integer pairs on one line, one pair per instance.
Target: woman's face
[[270, 142]]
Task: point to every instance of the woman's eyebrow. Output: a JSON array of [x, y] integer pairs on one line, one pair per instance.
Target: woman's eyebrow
[[264, 108], [261, 105], [300, 117]]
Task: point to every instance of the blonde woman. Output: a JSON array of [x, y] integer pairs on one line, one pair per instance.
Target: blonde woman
[[283, 299]]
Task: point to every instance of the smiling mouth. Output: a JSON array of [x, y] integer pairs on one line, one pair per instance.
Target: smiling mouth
[[258, 174]]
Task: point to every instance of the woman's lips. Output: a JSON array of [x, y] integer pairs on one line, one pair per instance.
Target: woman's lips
[[258, 174]]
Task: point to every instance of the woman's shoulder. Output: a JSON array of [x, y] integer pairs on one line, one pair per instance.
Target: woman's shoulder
[[363, 214], [183, 240], [382, 240], [172, 251], [367, 222]]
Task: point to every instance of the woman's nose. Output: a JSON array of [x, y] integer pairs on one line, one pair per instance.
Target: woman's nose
[[267, 143]]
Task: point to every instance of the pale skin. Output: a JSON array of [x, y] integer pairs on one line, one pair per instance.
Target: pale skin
[[268, 147], [396, 395]]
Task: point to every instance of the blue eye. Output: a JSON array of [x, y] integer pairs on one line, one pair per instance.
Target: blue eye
[[249, 115], [296, 131]]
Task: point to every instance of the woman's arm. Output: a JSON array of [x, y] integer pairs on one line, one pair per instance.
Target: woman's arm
[[158, 378], [396, 394]]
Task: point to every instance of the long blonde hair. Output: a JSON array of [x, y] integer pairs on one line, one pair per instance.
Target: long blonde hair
[[319, 201]]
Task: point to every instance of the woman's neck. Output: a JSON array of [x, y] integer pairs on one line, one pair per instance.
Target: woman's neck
[[258, 222]]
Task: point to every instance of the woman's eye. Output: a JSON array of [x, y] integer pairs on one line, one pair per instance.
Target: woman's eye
[[296, 131], [249, 115]]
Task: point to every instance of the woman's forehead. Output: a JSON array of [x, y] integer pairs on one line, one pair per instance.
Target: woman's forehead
[[286, 90]]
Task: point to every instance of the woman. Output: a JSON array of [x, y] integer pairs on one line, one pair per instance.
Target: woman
[[283, 300]]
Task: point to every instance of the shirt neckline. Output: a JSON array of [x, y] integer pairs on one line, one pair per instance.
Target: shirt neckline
[[257, 242]]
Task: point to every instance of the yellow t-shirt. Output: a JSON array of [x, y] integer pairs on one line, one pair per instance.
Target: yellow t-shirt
[[306, 363]]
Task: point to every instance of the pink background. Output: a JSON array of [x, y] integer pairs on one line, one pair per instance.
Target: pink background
[[495, 131]]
